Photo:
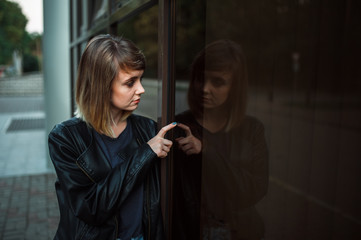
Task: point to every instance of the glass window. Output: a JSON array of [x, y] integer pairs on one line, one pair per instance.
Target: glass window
[[98, 10], [147, 40], [270, 91]]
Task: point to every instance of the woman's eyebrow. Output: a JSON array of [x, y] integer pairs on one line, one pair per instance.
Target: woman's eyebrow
[[138, 76], [130, 79]]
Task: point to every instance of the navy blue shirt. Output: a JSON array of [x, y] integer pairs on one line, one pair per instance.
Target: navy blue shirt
[[130, 213]]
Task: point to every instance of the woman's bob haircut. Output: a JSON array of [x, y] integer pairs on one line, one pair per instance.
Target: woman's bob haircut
[[103, 58], [221, 56]]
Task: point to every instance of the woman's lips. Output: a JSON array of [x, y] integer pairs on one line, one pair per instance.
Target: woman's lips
[[136, 101], [206, 100]]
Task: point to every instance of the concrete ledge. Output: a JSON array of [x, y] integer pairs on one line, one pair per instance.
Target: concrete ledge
[[26, 85]]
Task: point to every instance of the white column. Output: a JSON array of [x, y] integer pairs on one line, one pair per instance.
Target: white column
[[56, 61]]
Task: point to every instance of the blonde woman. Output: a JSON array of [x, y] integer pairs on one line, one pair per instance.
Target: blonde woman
[[106, 158]]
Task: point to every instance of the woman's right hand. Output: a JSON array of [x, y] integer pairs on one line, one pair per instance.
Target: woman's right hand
[[159, 144], [189, 144]]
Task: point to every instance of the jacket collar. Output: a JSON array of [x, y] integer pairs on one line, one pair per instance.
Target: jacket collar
[[95, 163]]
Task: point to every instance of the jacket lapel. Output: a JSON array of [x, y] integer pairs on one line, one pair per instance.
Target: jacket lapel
[[94, 162]]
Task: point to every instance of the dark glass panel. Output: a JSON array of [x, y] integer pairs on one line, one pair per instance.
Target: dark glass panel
[[303, 62]]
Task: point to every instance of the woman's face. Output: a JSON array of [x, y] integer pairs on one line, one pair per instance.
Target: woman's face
[[216, 88], [127, 90]]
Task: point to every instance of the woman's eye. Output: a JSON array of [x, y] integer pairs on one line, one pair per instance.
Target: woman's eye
[[130, 83], [218, 82]]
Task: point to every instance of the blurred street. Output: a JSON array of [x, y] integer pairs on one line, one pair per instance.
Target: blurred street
[[28, 204]]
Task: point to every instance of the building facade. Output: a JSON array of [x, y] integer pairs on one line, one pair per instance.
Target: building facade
[[304, 85]]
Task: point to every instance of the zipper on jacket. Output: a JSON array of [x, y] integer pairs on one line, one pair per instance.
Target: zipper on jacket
[[84, 172], [147, 185]]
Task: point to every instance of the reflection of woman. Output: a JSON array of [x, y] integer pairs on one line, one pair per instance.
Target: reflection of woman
[[106, 159], [221, 167]]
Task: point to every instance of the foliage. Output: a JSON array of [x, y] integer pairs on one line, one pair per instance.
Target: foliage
[[30, 63], [13, 36], [30, 48], [12, 29]]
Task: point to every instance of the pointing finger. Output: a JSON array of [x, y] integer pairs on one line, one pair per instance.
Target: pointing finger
[[166, 128]]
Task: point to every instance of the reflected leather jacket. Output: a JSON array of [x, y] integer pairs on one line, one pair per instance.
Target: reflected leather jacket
[[221, 185], [90, 192]]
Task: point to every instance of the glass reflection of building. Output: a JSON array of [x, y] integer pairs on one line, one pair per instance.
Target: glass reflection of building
[[303, 61]]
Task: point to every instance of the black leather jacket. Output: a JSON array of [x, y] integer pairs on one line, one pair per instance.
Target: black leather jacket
[[90, 192]]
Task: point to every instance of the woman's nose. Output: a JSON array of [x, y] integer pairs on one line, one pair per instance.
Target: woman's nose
[[206, 86], [140, 89]]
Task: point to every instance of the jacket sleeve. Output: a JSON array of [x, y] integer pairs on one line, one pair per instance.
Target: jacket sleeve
[[94, 200]]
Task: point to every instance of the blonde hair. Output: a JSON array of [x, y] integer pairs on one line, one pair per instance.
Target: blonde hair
[[100, 63], [221, 56]]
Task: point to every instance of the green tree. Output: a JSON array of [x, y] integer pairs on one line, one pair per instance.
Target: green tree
[[12, 30], [31, 48]]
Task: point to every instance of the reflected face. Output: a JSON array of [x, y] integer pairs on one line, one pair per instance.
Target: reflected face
[[127, 90], [216, 88]]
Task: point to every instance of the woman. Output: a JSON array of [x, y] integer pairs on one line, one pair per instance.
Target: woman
[[106, 159], [221, 169]]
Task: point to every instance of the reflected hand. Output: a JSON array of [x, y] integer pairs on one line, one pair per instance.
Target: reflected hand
[[189, 144], [159, 144]]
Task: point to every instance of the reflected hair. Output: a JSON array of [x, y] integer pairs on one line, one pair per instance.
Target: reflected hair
[[103, 58], [221, 56]]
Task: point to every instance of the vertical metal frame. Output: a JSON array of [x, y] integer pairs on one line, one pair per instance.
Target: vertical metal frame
[[73, 56], [166, 44]]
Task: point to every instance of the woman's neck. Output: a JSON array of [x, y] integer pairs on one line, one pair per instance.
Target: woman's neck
[[117, 124]]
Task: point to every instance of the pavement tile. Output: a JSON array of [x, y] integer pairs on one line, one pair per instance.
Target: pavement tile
[[28, 207]]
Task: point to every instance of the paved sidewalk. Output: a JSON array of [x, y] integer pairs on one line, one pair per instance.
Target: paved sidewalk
[[22, 136], [28, 207], [28, 204]]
